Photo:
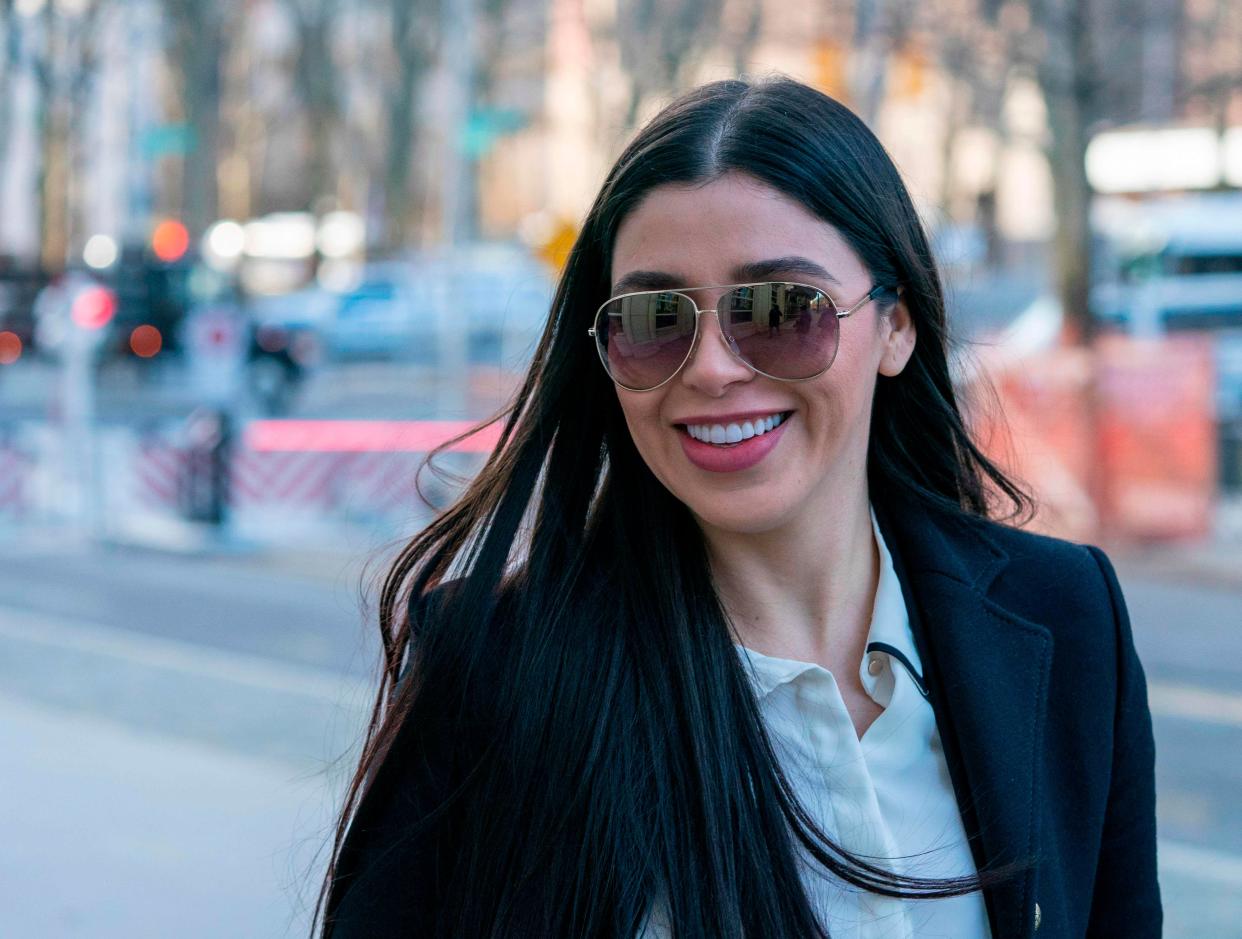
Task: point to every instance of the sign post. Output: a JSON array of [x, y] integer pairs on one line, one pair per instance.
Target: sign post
[[90, 311]]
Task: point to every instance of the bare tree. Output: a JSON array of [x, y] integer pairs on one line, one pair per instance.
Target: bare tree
[[60, 52], [1069, 78], [10, 49], [420, 46], [978, 52], [1213, 62], [873, 41], [660, 41], [196, 52], [317, 83], [43, 53], [743, 41], [415, 29], [1057, 43]]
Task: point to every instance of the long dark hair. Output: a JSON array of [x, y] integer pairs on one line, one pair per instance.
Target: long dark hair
[[568, 675]]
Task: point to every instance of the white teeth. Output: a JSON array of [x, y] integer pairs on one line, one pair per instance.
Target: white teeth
[[733, 433]]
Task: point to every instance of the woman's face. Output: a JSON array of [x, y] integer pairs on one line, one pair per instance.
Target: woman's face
[[816, 458]]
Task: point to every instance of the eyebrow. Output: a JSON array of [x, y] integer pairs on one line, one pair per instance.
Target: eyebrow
[[743, 273]]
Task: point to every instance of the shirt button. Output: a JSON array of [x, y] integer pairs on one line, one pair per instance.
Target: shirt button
[[1038, 916], [875, 665]]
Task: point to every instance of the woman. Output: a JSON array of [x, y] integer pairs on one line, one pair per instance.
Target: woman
[[722, 642]]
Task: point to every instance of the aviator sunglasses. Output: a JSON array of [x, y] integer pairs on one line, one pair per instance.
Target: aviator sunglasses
[[786, 331]]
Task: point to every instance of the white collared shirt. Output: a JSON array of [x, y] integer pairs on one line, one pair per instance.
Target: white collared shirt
[[886, 797]]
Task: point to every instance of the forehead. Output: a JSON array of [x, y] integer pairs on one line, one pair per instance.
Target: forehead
[[701, 233]]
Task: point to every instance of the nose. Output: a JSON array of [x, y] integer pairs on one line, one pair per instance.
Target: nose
[[713, 365]]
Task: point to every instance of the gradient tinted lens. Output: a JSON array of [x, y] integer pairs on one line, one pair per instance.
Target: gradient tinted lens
[[644, 338], [784, 330]]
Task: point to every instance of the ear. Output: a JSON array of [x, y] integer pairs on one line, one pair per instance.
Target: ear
[[899, 338]]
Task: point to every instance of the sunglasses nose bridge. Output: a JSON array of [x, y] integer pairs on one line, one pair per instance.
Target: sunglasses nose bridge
[[698, 340]]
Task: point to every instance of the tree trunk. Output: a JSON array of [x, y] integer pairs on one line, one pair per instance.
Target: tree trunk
[[1067, 81], [51, 132], [316, 81], [869, 61], [1072, 195], [412, 63], [744, 43], [201, 100], [8, 59]]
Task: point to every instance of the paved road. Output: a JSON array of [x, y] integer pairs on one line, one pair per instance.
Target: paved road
[[168, 726], [1190, 640], [174, 734]]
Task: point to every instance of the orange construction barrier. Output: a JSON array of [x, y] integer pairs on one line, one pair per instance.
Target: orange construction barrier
[[1117, 441]]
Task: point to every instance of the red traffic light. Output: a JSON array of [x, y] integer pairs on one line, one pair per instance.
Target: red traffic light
[[170, 241], [10, 347], [145, 341], [93, 308]]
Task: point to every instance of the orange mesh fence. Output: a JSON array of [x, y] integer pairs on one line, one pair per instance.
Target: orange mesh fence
[[1117, 442]]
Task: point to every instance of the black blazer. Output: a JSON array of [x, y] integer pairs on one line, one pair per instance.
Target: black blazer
[[1042, 709]]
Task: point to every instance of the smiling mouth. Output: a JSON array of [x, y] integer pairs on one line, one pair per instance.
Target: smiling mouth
[[736, 432]]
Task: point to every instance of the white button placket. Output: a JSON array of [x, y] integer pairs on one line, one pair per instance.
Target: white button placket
[[843, 768]]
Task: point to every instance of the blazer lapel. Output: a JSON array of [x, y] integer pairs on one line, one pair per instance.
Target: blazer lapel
[[987, 674]]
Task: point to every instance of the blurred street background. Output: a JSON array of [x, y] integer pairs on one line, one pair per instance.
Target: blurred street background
[[257, 257]]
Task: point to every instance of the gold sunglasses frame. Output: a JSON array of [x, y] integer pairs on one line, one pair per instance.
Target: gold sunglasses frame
[[684, 292]]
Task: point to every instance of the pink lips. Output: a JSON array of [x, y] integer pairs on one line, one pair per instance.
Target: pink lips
[[731, 459]]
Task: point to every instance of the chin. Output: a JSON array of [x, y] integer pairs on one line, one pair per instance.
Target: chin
[[738, 516]]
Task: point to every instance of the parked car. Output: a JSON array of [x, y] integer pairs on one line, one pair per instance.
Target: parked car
[[482, 301], [385, 315]]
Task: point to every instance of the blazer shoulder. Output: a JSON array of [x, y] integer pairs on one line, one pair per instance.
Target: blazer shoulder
[[1034, 554], [1070, 587], [1023, 545]]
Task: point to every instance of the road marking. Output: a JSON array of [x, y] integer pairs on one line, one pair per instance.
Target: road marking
[[1199, 863], [175, 655], [1196, 704]]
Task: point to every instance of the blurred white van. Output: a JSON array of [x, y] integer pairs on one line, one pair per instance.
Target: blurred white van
[[1169, 264]]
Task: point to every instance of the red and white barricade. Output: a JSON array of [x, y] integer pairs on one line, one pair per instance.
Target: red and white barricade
[[313, 469]]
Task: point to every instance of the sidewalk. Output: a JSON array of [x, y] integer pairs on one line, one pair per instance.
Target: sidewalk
[[153, 787], [115, 833]]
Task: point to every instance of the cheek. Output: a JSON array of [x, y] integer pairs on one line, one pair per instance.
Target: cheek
[[854, 375], [642, 417], [654, 441], [839, 407]]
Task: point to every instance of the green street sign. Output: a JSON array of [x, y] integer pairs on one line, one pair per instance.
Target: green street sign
[[165, 139], [485, 125]]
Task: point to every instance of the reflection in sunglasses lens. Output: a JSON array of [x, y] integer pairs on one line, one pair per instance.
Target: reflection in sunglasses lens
[[784, 330], [646, 336], [790, 331]]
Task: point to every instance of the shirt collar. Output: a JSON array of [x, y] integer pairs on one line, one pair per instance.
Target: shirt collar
[[890, 627]]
